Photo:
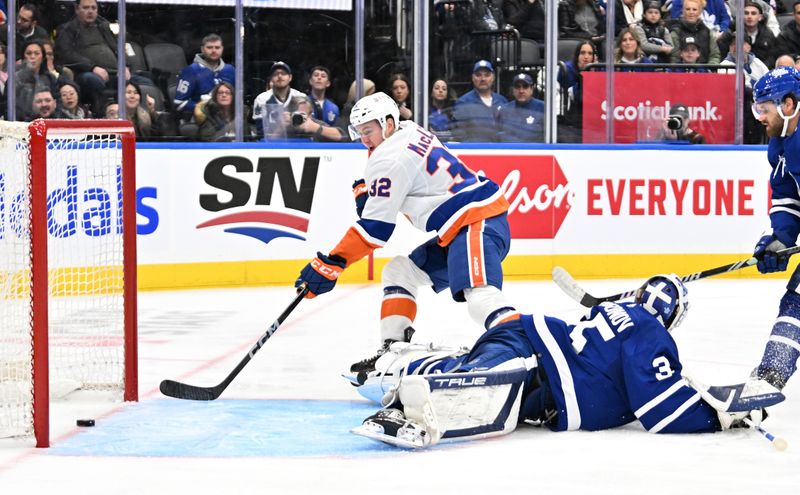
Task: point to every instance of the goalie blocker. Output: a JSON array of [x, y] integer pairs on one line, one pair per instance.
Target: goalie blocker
[[618, 364]]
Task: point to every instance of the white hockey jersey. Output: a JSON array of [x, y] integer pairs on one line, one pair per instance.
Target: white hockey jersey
[[414, 174]]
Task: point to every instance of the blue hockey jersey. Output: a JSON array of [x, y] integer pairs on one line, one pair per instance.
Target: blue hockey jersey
[[784, 157], [616, 365], [198, 79]]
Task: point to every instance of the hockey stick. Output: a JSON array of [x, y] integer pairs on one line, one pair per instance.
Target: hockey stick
[[179, 390], [567, 283], [778, 443]]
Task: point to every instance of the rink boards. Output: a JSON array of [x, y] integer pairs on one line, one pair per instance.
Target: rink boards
[[229, 215]]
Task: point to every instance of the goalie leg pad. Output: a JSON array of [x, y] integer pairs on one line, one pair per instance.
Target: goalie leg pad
[[466, 406]]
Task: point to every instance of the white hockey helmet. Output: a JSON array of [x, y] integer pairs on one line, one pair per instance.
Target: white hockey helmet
[[666, 298], [377, 106]]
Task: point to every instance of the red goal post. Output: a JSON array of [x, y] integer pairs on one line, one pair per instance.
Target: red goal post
[[67, 268]]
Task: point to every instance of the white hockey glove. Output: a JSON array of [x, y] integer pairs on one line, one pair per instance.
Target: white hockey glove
[[738, 419]]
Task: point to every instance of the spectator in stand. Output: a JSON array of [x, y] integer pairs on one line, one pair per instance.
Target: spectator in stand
[[476, 110], [324, 109], [691, 29], [522, 120], [111, 110], [689, 54], [440, 121], [582, 19], [215, 116], [57, 71], [32, 75], [198, 79], [768, 10], [43, 105], [70, 107], [305, 126], [28, 28], [784, 61], [527, 16], [144, 118], [652, 35], [571, 92], [3, 80], [627, 14], [87, 45], [754, 68], [677, 126], [762, 41], [713, 13], [628, 51], [789, 39], [344, 118], [270, 108], [400, 90]]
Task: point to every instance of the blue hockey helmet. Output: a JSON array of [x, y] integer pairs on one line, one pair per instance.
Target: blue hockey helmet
[[772, 88], [666, 298], [776, 84]]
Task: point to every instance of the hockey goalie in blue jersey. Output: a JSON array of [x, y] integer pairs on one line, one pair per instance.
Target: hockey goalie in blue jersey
[[617, 365]]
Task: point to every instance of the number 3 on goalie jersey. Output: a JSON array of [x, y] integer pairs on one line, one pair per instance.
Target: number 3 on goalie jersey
[[440, 158]]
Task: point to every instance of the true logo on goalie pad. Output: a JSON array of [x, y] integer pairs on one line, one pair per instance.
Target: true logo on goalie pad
[[467, 381]]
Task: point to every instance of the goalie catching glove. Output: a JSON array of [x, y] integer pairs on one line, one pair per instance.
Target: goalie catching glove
[[321, 274], [765, 250]]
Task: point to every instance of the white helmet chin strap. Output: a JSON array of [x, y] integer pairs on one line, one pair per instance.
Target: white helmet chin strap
[[787, 119]]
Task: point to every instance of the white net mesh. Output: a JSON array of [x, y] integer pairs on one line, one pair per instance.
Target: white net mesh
[[16, 386], [85, 275]]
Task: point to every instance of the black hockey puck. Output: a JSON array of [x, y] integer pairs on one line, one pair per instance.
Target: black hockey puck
[[85, 422]]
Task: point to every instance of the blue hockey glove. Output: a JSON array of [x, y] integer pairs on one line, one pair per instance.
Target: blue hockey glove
[[360, 195], [765, 252], [321, 274]]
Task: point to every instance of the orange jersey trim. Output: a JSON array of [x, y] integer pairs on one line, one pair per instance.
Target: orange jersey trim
[[353, 246], [497, 207], [399, 306]]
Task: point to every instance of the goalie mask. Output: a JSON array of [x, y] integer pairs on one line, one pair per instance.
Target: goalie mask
[[666, 298], [378, 106]]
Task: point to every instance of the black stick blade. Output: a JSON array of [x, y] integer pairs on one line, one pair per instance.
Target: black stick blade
[[179, 390]]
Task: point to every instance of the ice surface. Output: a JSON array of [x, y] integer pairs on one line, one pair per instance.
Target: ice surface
[[281, 427]]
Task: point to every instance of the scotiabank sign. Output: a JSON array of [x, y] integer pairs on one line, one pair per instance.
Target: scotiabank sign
[[534, 185], [642, 101]]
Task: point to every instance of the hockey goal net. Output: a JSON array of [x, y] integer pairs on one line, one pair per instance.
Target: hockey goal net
[[67, 267]]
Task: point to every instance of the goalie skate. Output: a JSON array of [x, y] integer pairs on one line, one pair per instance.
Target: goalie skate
[[396, 362], [392, 427]]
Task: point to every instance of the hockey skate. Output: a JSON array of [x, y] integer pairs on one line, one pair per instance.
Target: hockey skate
[[399, 360], [361, 368], [391, 426]]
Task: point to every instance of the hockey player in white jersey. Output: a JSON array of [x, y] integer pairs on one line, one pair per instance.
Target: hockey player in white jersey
[[617, 365], [410, 171]]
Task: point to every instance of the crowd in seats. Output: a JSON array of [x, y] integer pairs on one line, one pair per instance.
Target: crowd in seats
[[482, 59]]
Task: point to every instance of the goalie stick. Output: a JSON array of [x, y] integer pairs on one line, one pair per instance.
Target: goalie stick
[[567, 283], [180, 390]]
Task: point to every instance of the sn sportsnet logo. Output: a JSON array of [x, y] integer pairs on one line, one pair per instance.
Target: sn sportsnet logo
[[245, 194], [536, 188]]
